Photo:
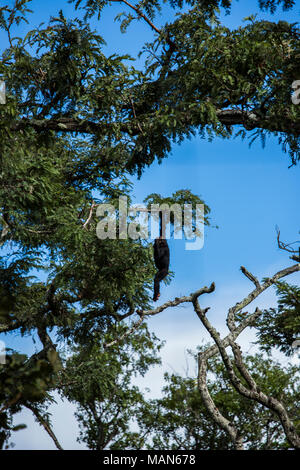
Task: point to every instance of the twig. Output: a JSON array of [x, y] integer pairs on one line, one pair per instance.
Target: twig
[[286, 247], [217, 416], [11, 402], [134, 114]]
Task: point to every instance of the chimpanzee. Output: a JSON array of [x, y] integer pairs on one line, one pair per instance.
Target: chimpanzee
[[162, 261]]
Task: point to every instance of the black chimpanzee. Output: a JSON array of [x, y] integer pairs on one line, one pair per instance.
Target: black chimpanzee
[[162, 261]]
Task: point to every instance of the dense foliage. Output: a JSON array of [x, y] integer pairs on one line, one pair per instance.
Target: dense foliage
[[77, 124], [280, 327]]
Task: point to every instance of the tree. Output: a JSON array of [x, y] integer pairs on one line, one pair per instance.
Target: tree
[[180, 420], [77, 124], [241, 379]]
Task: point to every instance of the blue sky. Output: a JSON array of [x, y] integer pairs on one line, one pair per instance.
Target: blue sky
[[249, 191]]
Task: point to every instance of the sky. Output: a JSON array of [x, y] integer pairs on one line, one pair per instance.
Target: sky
[[250, 190]]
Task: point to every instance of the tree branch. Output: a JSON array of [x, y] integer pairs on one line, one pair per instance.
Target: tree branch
[[253, 394], [11, 402], [250, 276], [86, 223], [178, 301], [269, 402]]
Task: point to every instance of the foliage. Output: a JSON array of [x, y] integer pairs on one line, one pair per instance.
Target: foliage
[[24, 380]]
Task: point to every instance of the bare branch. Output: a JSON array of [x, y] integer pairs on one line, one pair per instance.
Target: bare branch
[[253, 393], [134, 327], [259, 289], [241, 366], [178, 301], [229, 117], [45, 425], [193, 297], [144, 313], [250, 276], [86, 223]]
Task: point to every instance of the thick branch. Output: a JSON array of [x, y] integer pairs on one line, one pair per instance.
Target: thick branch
[[221, 421], [45, 338], [253, 394], [140, 14], [127, 333]]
